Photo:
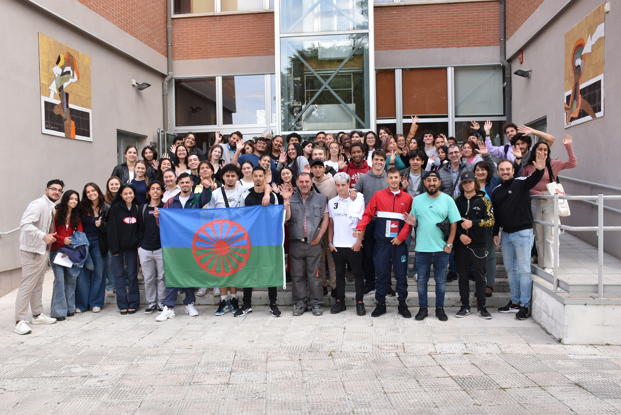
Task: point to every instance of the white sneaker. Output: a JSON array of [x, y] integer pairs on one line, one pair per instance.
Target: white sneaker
[[165, 314], [43, 319], [96, 309], [201, 292], [77, 311], [191, 310], [22, 328]]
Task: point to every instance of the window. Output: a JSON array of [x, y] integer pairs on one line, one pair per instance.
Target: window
[[324, 82], [243, 100], [217, 6], [240, 5], [385, 95], [310, 16], [195, 101], [194, 6], [478, 91], [463, 130], [425, 92]]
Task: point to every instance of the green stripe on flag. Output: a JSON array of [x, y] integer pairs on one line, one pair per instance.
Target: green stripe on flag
[[265, 268]]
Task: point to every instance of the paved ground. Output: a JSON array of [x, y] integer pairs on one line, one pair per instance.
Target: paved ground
[[343, 364]]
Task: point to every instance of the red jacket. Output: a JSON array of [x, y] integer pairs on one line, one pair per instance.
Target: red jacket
[[355, 171], [382, 207], [63, 232]]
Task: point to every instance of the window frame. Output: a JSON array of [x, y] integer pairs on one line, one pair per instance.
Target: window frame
[[218, 10]]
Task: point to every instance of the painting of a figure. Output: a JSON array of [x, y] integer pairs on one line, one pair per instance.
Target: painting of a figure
[[65, 82], [584, 70]]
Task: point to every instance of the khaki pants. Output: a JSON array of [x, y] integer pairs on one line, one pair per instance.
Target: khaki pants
[[31, 287]]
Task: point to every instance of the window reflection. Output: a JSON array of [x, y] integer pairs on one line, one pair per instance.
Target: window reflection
[[323, 15], [243, 99], [195, 101]]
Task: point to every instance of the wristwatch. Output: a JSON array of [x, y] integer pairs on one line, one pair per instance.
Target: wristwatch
[[450, 245]]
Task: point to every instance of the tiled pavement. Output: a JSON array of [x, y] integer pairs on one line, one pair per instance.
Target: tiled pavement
[[334, 364]]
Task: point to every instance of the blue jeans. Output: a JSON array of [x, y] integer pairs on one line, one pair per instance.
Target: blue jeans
[[387, 258], [91, 290], [423, 263], [171, 296], [125, 272], [108, 272], [516, 247], [63, 293]]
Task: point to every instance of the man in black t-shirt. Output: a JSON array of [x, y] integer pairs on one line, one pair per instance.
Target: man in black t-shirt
[[254, 197]]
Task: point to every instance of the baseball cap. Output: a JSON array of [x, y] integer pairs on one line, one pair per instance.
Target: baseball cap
[[467, 176], [316, 162], [431, 174]]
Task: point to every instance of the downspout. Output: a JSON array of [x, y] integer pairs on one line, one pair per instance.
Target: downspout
[[505, 64], [169, 72]]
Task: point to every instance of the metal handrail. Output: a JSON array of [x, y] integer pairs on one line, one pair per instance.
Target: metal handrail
[[599, 229], [590, 183], [9, 232]]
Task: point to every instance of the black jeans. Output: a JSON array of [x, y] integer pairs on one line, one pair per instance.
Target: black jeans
[[471, 262], [344, 256], [272, 293]]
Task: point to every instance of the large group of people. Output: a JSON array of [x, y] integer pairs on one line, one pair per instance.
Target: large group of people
[[354, 205]]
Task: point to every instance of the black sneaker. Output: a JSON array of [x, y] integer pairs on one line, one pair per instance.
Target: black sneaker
[[441, 314], [463, 312], [451, 276], [522, 314], [337, 307], [380, 309], [391, 292], [509, 308], [222, 308], [150, 309], [245, 309], [422, 314], [483, 313], [234, 304], [403, 310], [360, 310], [274, 310]]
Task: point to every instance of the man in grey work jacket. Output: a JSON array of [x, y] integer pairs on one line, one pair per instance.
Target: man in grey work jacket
[[308, 220]]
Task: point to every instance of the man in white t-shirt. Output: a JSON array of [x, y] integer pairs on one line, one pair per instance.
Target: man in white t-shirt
[[345, 214]]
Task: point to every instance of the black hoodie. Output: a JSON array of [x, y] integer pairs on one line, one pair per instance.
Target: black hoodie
[[479, 210], [122, 227]]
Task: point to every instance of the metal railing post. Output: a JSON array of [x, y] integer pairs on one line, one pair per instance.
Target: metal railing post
[[600, 245], [557, 242]]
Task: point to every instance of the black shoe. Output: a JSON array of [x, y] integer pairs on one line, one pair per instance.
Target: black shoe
[[132, 310], [380, 309], [360, 310], [337, 307], [60, 318], [509, 308], [403, 310], [234, 303], [391, 292], [70, 314], [245, 309], [274, 310], [222, 308], [522, 314], [483, 313], [463, 312], [422, 314], [150, 309], [451, 276], [441, 314]]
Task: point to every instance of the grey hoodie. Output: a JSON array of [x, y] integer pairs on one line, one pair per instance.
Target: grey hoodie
[[370, 183]]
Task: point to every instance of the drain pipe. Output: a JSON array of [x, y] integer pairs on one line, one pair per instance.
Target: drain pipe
[[505, 64], [169, 72]]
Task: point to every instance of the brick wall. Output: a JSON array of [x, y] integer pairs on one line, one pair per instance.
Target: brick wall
[[143, 19], [223, 36], [437, 26], [517, 13]]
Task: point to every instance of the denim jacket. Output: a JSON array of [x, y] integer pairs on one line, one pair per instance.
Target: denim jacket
[[78, 251]]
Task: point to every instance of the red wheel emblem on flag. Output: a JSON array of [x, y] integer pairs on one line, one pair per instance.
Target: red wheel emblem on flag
[[221, 247]]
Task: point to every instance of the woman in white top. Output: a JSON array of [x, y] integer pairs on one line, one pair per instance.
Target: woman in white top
[[246, 180], [181, 166], [170, 183], [371, 143], [334, 151], [468, 154]]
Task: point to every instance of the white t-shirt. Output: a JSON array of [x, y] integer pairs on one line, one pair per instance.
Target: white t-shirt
[[184, 200], [169, 194], [345, 214], [246, 185], [233, 196]]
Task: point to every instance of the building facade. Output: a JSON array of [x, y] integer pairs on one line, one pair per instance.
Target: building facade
[[278, 66]]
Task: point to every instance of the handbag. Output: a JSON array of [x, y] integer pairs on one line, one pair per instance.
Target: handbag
[[445, 227], [563, 204]]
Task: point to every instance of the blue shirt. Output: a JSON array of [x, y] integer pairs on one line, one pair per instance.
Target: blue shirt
[[252, 158], [429, 211]]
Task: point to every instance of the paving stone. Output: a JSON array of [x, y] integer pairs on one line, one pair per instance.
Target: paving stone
[[475, 382]]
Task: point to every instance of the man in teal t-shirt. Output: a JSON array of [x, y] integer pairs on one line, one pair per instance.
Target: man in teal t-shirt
[[429, 209]]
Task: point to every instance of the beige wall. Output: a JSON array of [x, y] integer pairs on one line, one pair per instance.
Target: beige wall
[[31, 158], [595, 141]]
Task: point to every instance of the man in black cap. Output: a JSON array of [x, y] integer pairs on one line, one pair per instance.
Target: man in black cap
[[470, 247], [433, 247]]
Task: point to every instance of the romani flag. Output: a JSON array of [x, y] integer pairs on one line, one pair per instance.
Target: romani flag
[[231, 247]]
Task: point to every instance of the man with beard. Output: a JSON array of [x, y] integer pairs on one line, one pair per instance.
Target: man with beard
[[388, 209], [432, 247], [357, 165], [511, 202], [228, 149]]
